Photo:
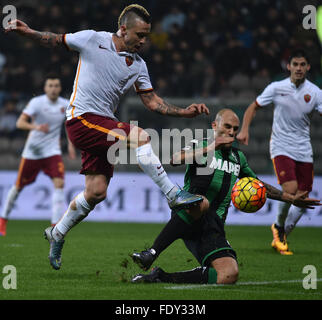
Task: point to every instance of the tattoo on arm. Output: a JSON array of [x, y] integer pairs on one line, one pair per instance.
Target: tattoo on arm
[[272, 192], [155, 103], [164, 107], [47, 39]]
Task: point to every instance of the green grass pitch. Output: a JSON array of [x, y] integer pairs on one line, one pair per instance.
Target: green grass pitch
[[96, 264]]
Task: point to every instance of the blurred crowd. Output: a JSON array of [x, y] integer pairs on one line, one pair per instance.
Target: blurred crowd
[[196, 48]]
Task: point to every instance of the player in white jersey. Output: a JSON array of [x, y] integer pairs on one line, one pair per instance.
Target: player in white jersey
[[290, 147], [42, 150], [108, 66]]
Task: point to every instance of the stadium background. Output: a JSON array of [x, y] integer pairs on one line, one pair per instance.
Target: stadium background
[[221, 53]]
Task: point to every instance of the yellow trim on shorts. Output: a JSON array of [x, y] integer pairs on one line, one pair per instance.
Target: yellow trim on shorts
[[101, 129]]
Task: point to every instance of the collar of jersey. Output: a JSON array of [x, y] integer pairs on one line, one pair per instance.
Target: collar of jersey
[[121, 53], [294, 86]]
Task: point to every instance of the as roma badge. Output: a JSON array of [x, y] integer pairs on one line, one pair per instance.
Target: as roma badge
[[128, 60]]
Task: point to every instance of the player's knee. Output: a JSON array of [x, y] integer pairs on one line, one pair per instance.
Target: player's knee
[[197, 211], [143, 137], [138, 137], [59, 183], [228, 276], [96, 194], [227, 270]]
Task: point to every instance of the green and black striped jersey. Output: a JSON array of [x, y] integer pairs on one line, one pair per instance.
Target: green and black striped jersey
[[215, 175]]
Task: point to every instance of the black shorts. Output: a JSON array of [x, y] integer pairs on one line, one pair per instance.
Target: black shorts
[[207, 240]]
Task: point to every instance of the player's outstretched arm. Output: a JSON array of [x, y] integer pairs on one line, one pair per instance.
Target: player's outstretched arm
[[154, 103], [300, 200], [47, 39], [243, 135]]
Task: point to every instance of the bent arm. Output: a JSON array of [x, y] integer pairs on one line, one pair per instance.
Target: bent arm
[[187, 156], [23, 123], [191, 155], [249, 115]]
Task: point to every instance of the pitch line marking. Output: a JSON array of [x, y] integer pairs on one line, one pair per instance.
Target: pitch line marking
[[249, 283]]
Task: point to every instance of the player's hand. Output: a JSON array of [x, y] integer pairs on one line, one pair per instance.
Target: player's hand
[[243, 137], [195, 109], [301, 200], [42, 127], [17, 26]]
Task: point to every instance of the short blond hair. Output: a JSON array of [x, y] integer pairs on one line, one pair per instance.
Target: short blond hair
[[133, 11]]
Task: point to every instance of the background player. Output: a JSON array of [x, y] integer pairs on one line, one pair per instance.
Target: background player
[[202, 227], [108, 67], [294, 99], [43, 117]]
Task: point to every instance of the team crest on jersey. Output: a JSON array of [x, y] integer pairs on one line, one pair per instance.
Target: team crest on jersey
[[307, 98], [128, 60], [62, 110], [120, 125]]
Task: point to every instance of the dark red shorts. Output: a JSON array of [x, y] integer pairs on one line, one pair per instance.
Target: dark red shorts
[[287, 169], [93, 135], [29, 169]]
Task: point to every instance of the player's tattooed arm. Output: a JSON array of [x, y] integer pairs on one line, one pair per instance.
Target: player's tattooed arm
[[168, 109], [273, 193], [47, 39], [157, 104], [300, 199]]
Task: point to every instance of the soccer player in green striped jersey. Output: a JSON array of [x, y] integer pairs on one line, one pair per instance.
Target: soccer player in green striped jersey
[[214, 166]]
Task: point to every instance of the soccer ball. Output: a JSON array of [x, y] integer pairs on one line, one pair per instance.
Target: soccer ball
[[248, 194]]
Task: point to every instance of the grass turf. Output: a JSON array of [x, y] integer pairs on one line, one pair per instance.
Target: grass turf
[[97, 264]]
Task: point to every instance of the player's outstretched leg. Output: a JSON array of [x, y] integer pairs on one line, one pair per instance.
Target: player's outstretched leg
[[151, 165], [202, 275], [153, 277], [56, 247]]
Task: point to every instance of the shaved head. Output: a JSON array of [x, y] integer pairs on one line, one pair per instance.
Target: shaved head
[[226, 124], [225, 112]]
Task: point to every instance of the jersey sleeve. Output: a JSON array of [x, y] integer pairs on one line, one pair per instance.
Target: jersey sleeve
[[77, 41], [266, 97], [143, 82], [31, 108], [318, 107], [245, 170]]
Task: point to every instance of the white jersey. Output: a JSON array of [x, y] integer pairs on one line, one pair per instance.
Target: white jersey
[[103, 75], [41, 145], [291, 123]]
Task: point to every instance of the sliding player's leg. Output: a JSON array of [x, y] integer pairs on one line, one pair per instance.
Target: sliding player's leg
[[182, 222]]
